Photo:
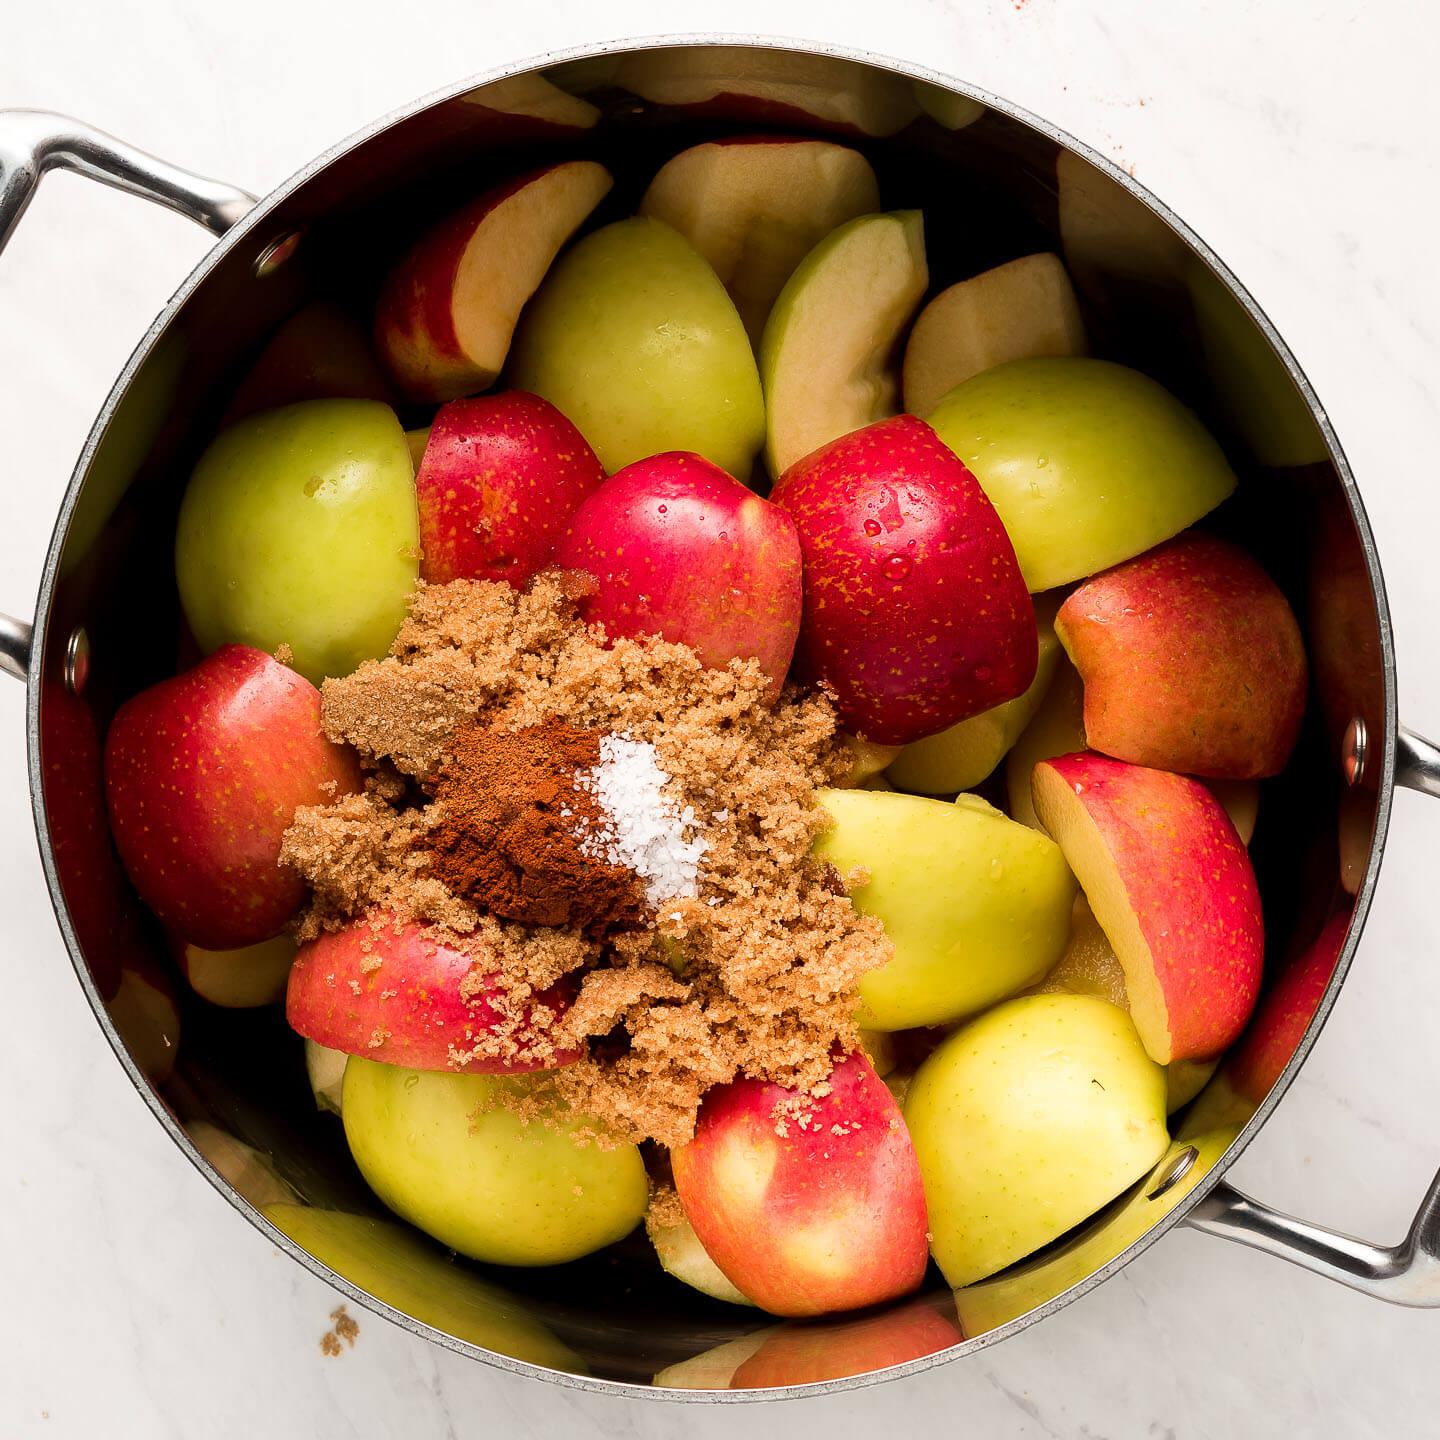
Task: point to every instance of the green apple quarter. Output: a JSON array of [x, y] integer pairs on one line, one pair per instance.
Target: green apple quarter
[[1088, 462], [1028, 1120], [299, 527], [976, 906], [444, 1152], [633, 338]]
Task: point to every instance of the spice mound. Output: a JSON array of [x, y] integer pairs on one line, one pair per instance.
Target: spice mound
[[615, 812], [521, 835]]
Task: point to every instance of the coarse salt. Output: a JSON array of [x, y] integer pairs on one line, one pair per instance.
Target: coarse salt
[[646, 832]]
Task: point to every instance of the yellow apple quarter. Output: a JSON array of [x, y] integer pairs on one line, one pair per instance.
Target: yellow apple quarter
[[633, 338], [1027, 1121], [976, 906], [444, 1152], [1089, 463]]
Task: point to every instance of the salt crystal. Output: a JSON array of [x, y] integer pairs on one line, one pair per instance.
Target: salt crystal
[[646, 833]]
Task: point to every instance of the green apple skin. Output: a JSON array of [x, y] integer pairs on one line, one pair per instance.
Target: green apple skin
[[299, 527], [397, 1267], [634, 339], [962, 756], [976, 906], [1028, 1120], [992, 1303], [442, 1152], [1088, 462]]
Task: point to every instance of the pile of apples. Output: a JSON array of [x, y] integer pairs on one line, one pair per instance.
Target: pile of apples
[[1064, 975]]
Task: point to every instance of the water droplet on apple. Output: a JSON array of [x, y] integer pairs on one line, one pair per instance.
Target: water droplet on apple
[[662, 509], [897, 567], [872, 527], [996, 870], [1041, 461], [411, 1081]]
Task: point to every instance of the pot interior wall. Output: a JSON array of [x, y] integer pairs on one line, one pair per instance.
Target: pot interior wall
[[991, 190]]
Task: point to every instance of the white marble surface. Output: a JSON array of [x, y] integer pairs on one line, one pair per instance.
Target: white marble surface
[[1298, 137]]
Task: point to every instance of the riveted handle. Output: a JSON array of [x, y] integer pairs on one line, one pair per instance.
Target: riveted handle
[[1403, 1274], [33, 142]]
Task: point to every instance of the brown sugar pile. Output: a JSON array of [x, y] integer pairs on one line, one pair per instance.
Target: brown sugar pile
[[753, 974]]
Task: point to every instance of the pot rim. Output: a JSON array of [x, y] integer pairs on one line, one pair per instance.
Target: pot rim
[[246, 229]]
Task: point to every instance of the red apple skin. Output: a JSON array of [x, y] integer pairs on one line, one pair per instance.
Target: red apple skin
[[811, 1221], [394, 992], [500, 479], [916, 614], [1187, 878], [1285, 1013], [808, 1353], [681, 550], [1192, 661], [415, 329], [202, 775]]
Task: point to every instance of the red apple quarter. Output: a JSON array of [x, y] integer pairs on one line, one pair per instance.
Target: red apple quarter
[[500, 478], [916, 614], [1192, 661], [1170, 882], [679, 549], [446, 313], [203, 773], [395, 992], [807, 1204]]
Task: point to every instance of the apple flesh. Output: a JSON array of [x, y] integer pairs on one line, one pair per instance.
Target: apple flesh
[[1057, 728], [146, 1017], [395, 992], [774, 87], [298, 527], [964, 755], [1028, 1120], [976, 906], [1021, 309], [1192, 661], [500, 477], [634, 338], [445, 1153], [446, 313], [870, 758], [203, 773], [916, 614], [680, 1253], [754, 205], [828, 354], [1172, 886], [1089, 463], [238, 979], [807, 1204], [679, 549]]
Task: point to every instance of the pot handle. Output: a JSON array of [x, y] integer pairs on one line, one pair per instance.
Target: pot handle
[[1403, 1274], [35, 141]]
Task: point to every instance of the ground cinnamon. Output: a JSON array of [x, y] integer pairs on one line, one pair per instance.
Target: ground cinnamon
[[512, 820]]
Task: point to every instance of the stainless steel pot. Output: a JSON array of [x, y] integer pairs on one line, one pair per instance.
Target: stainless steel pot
[[1155, 296]]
